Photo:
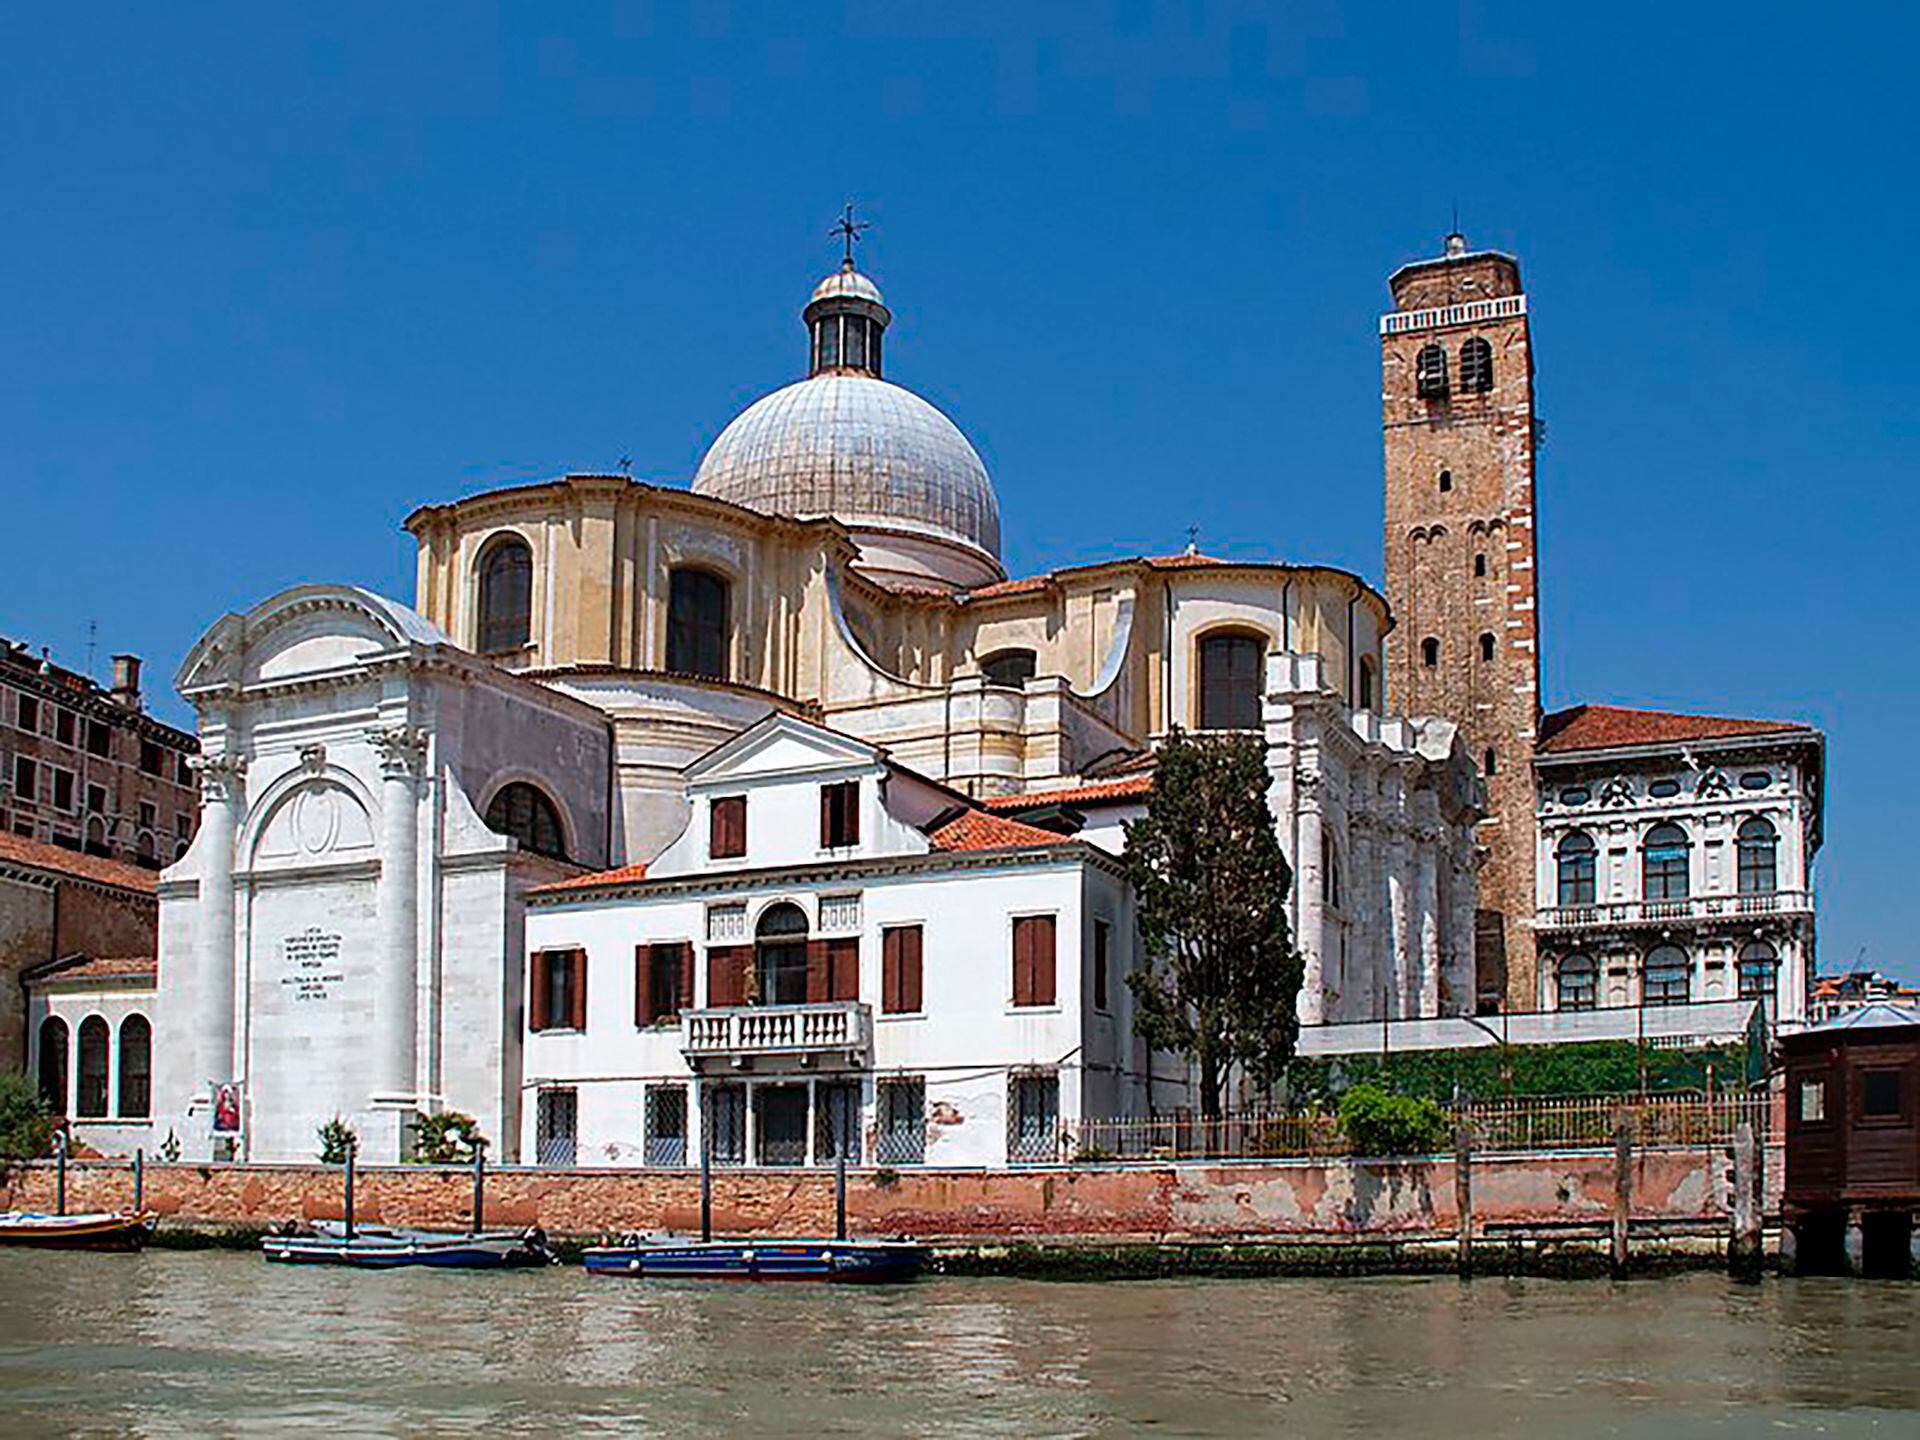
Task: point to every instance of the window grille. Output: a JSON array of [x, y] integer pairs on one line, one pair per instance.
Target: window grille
[[836, 1122], [726, 1123], [1033, 1118], [666, 1135], [781, 1115], [557, 1127], [1476, 366], [1430, 370], [900, 1133]]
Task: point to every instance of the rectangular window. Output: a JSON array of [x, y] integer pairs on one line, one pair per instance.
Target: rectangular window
[[149, 816], [63, 726], [900, 947], [1033, 1118], [26, 780], [1101, 942], [63, 790], [97, 800], [780, 1113], [153, 760], [662, 982], [666, 1144], [840, 815], [99, 738], [1813, 1100], [27, 717], [557, 1126], [559, 990], [726, 1124], [183, 826], [1879, 1094], [836, 1128], [727, 828], [184, 772], [900, 1128], [1033, 960]]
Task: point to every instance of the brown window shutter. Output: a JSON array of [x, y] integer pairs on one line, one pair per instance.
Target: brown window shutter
[[721, 972], [1043, 990], [843, 968], [851, 800], [910, 939], [1023, 961], [826, 816], [537, 998], [686, 975], [579, 960], [643, 985], [727, 828], [817, 976], [890, 947]]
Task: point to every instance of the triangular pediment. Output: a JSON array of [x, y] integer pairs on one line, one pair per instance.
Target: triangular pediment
[[781, 745]]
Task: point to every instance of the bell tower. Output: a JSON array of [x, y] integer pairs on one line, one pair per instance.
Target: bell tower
[[1457, 416]]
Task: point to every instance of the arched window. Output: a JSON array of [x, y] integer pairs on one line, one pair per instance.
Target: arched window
[[143, 852], [1012, 668], [1759, 845], [520, 810], [1368, 683], [1576, 861], [136, 1068], [1577, 983], [1430, 652], [1480, 566], [781, 955], [1230, 682], [1476, 366], [1664, 856], [1486, 646], [1759, 971], [1446, 482], [53, 1063], [506, 597], [1669, 976], [91, 1101], [697, 624], [1430, 371]]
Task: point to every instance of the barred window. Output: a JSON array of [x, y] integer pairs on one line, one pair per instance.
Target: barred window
[[836, 1129], [666, 1119], [900, 1131], [557, 1126], [1430, 371], [726, 1123], [1033, 1117], [1476, 366]]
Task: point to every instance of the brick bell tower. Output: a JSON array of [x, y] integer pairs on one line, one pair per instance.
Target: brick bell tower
[[1456, 363]]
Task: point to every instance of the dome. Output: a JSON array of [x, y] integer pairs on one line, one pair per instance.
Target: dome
[[845, 443], [866, 452]]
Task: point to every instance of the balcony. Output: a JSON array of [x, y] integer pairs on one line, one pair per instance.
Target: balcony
[[835, 1035], [1618, 914]]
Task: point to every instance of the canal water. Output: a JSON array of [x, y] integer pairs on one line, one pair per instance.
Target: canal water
[[177, 1342]]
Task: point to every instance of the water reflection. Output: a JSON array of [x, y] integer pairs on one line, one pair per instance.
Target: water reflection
[[171, 1343]]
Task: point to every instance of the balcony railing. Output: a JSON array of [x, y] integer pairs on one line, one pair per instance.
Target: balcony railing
[[838, 1031], [1665, 912]]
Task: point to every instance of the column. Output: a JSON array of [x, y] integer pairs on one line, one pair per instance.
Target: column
[[220, 804], [1308, 889], [396, 991], [1363, 887], [1427, 991], [1403, 939]]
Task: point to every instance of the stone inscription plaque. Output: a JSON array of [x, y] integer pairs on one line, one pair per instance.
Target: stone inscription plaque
[[313, 959]]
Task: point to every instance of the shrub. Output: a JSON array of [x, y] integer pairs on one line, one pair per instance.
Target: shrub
[[449, 1138], [336, 1140], [1376, 1123], [26, 1125]]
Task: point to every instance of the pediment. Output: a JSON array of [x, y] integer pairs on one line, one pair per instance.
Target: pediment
[[781, 744], [308, 630]]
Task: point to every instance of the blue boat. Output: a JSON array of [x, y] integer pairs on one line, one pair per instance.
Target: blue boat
[[374, 1247], [869, 1262]]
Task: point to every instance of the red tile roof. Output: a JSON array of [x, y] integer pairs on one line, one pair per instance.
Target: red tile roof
[[95, 967], [624, 875], [81, 867], [977, 830], [1608, 727], [1133, 787], [999, 588]]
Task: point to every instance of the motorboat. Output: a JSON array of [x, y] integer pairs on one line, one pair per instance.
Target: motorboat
[[379, 1247], [872, 1262]]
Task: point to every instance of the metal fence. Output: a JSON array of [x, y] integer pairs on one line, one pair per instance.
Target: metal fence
[[1545, 1123]]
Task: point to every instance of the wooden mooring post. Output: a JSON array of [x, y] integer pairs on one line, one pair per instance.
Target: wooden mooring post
[[1622, 1192], [1743, 1245], [1463, 1198], [139, 1181]]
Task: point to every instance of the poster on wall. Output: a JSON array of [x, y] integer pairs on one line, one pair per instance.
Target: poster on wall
[[226, 1107]]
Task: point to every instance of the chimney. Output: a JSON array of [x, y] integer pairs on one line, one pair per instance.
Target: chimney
[[126, 681]]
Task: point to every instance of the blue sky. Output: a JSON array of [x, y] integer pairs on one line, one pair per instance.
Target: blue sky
[[272, 280]]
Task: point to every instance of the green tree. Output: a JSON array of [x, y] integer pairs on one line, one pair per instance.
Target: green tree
[[1222, 980], [26, 1125]]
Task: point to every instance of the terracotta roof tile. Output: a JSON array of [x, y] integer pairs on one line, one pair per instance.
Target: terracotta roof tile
[[1133, 787], [625, 875], [71, 862], [977, 830], [1032, 584], [1607, 727], [95, 967]]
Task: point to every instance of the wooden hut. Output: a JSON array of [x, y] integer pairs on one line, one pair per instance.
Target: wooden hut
[[1853, 1142]]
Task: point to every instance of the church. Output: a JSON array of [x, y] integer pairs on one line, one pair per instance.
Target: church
[[775, 784]]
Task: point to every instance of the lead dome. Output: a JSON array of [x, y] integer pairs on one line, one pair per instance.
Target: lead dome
[[848, 444]]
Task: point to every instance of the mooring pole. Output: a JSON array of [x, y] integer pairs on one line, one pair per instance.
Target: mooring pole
[[706, 1173], [840, 1194], [1622, 1191], [350, 1150], [139, 1181], [60, 1172], [1743, 1246], [1463, 1197], [479, 1186]]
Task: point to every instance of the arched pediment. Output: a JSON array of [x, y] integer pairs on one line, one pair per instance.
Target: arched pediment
[[316, 820], [309, 630]]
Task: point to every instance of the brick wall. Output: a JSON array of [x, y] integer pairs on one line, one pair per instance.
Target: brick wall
[[1276, 1199]]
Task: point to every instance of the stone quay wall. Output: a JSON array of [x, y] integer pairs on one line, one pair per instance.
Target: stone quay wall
[[1353, 1199]]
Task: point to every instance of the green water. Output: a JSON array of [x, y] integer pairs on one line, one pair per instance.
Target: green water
[[194, 1343]]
